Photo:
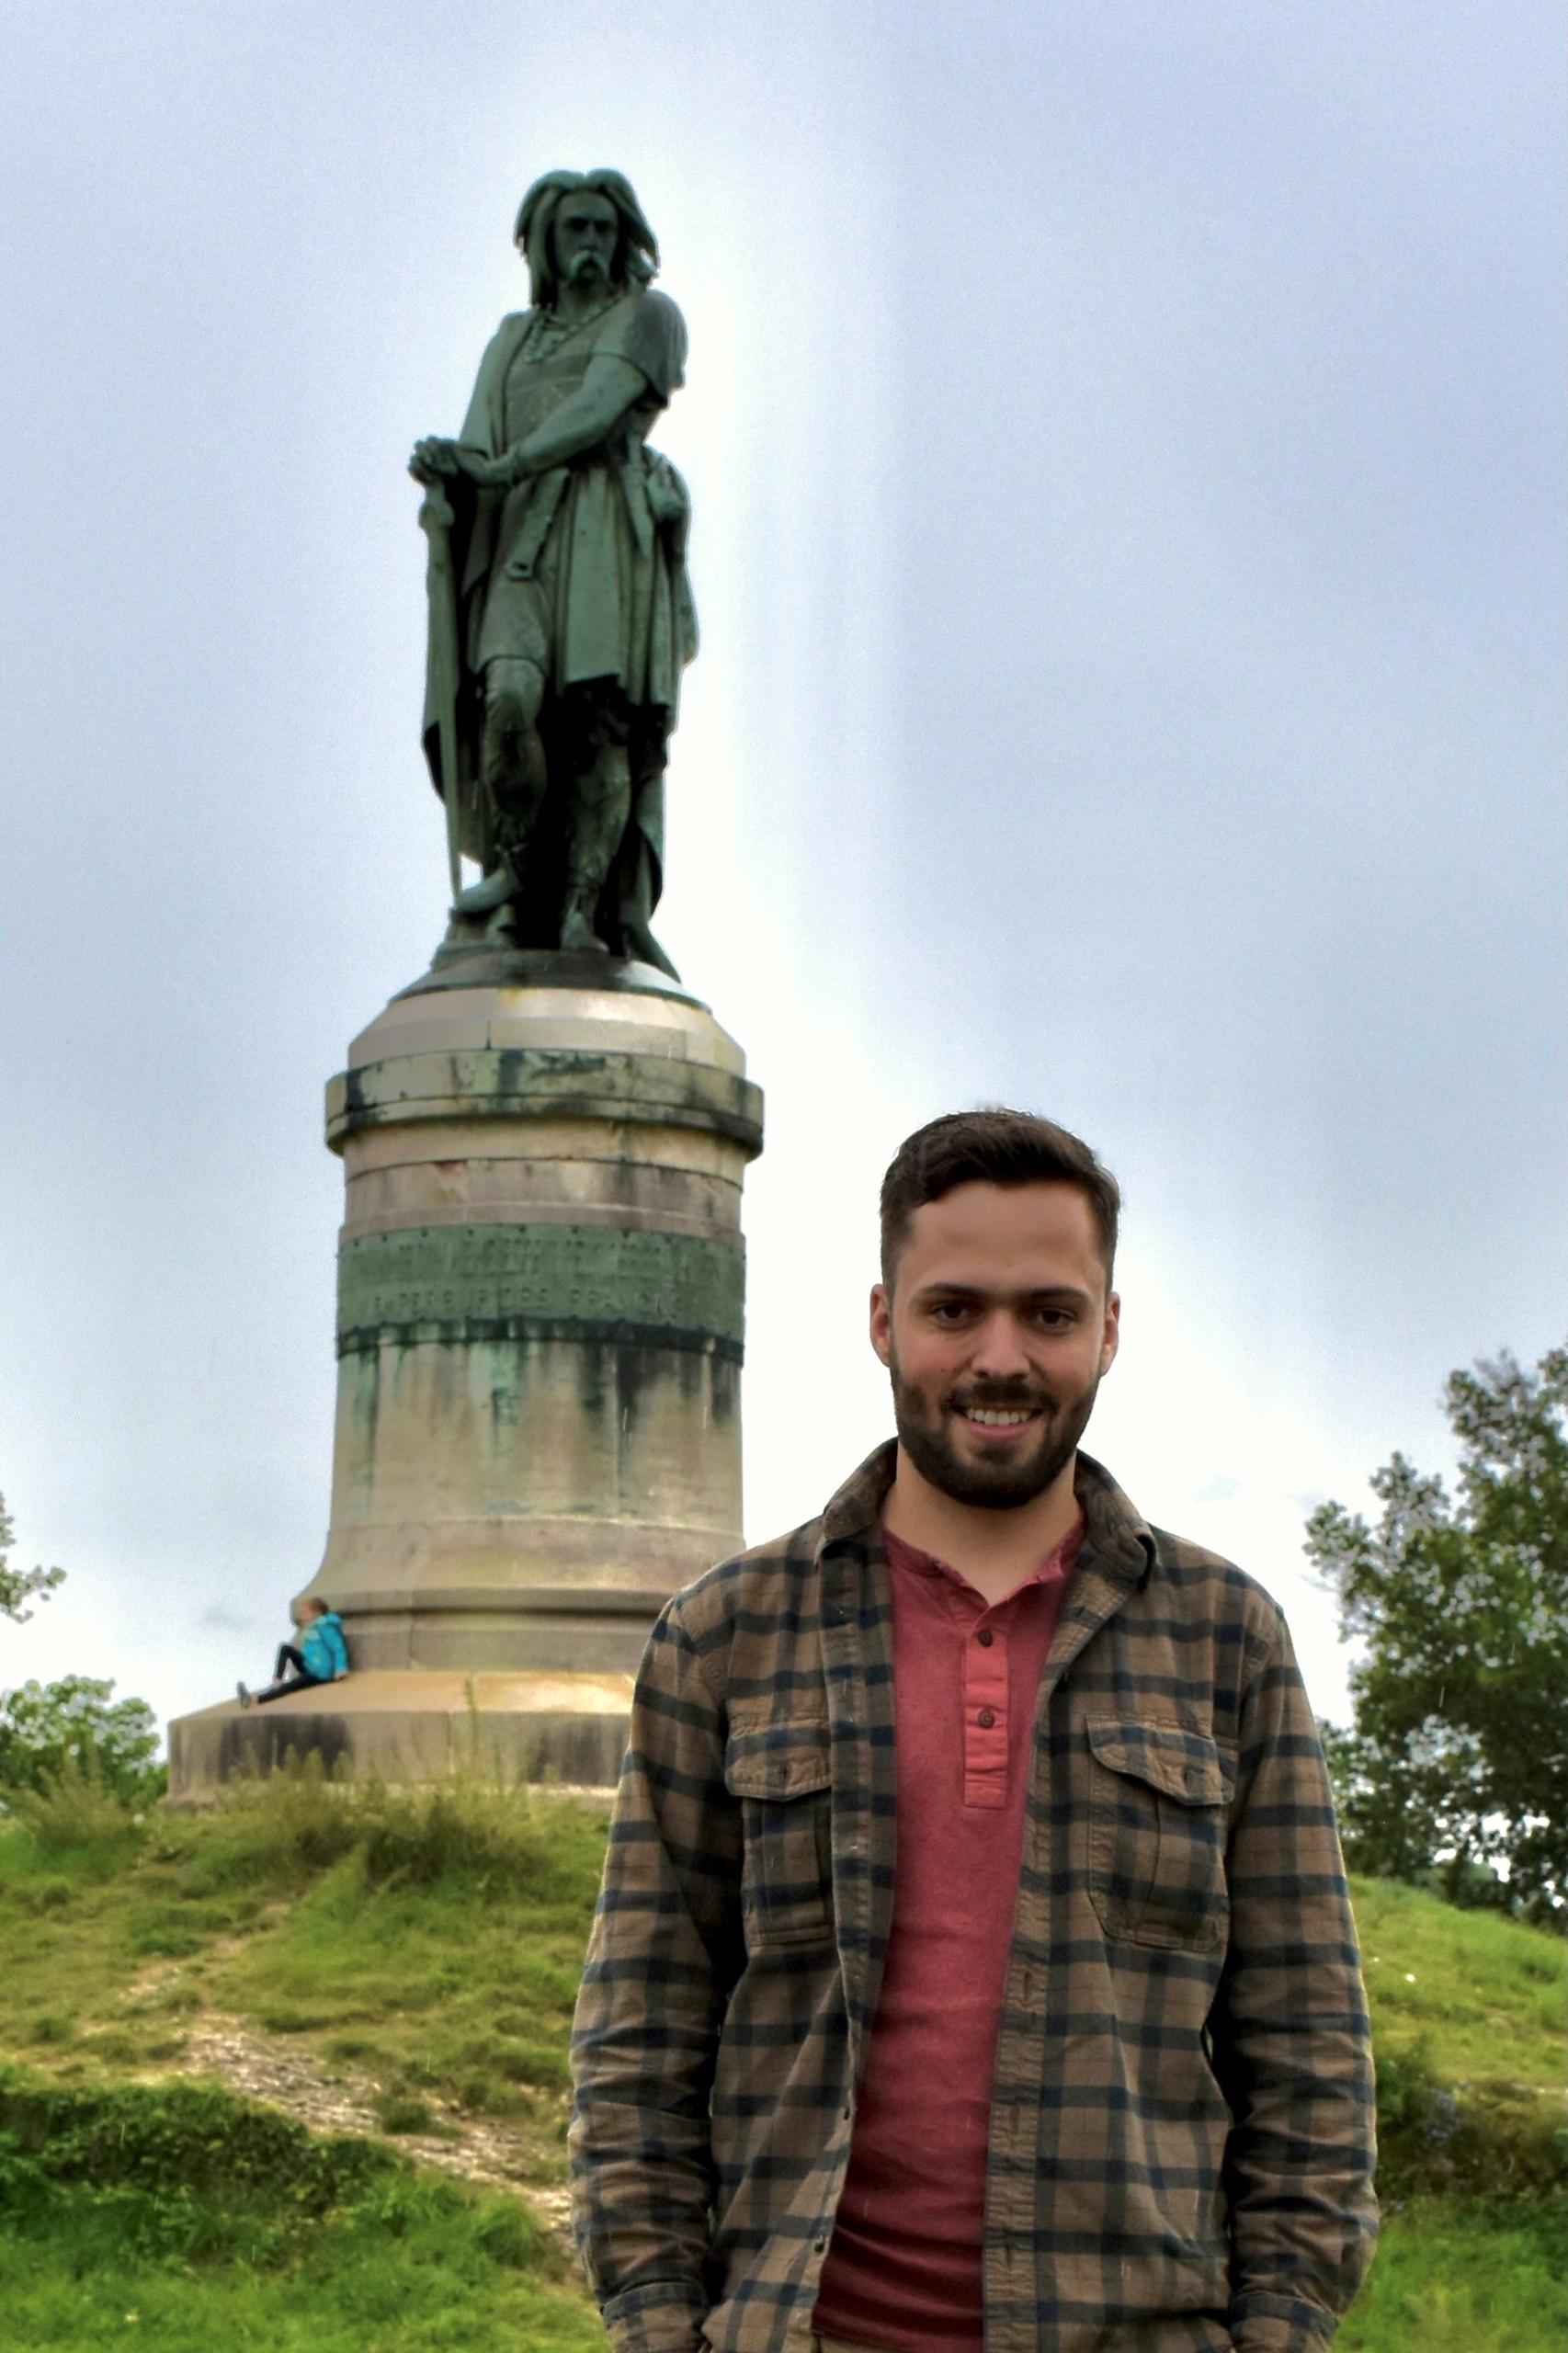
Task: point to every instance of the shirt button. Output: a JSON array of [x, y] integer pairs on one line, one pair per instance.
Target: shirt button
[[986, 1717], [985, 1637]]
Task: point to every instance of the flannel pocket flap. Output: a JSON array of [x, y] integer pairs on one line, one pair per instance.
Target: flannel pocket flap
[[1186, 1765], [777, 1760]]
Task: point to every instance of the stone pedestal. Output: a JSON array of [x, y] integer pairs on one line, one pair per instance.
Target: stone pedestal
[[540, 1317]]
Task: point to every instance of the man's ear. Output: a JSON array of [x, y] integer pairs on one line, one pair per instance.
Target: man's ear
[[1112, 1339], [881, 1322]]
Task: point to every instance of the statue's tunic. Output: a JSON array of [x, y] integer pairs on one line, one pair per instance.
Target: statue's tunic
[[583, 580], [576, 570], [580, 570]]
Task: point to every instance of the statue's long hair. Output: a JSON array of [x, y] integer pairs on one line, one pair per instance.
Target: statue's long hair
[[636, 249]]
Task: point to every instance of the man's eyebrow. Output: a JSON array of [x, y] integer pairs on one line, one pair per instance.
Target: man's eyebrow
[[1067, 1293]]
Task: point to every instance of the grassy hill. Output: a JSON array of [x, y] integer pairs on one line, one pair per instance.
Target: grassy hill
[[293, 2074]]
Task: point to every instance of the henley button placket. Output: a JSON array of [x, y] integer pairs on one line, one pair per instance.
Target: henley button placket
[[986, 1714]]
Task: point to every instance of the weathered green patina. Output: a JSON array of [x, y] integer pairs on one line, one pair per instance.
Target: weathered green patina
[[561, 614], [551, 1280]]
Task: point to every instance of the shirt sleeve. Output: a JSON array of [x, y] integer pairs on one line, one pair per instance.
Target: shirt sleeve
[[651, 333], [1292, 2044], [665, 1950]]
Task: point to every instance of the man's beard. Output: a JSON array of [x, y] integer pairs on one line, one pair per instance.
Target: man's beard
[[1008, 1483], [585, 266]]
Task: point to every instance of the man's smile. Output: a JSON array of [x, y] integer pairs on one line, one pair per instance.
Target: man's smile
[[998, 1418]]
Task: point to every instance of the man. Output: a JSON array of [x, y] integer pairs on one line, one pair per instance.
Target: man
[[575, 616], [973, 1966]]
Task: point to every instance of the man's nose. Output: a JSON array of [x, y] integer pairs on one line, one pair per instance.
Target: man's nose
[[999, 1347]]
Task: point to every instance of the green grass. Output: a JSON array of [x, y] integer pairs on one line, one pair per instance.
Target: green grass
[[178, 2218], [1452, 2277], [85, 1931], [447, 1968], [431, 1941], [1485, 1991]]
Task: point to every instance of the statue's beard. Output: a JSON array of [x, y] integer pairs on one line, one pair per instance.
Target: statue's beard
[[586, 268]]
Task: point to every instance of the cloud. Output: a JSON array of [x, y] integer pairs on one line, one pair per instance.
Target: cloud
[[1223, 1490], [220, 1621]]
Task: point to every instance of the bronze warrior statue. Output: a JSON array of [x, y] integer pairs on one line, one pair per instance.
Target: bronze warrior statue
[[561, 616]]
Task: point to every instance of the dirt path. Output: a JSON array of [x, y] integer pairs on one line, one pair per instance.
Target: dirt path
[[275, 2068], [287, 2074]]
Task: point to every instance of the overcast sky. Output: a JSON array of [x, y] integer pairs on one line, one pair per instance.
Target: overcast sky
[[1127, 445]]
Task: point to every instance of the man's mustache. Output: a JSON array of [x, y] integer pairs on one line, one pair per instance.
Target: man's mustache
[[586, 265], [999, 1397]]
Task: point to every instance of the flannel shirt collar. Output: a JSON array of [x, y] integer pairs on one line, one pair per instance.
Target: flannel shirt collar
[[1120, 1540]]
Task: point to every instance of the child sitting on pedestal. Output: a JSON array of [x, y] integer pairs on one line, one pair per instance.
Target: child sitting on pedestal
[[321, 1656]]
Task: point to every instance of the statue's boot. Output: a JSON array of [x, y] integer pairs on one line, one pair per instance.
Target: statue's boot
[[577, 926], [641, 943]]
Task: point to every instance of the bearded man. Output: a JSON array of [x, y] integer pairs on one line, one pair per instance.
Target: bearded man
[[574, 612], [974, 1966]]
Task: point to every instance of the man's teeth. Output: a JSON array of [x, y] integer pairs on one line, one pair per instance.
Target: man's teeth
[[992, 1417]]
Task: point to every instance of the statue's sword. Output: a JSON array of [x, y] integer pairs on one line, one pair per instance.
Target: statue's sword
[[436, 520]]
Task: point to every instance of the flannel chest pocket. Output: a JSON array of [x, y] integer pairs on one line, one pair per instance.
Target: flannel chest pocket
[[1157, 1824], [781, 1774]]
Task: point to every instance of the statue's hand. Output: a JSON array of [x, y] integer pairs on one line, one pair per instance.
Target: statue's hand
[[434, 460]]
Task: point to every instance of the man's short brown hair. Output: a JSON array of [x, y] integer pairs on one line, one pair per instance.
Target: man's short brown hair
[[992, 1147]]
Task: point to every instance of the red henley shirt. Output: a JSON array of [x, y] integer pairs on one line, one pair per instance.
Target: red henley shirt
[[903, 2269]]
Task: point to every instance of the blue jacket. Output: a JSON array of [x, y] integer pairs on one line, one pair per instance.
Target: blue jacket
[[321, 1647]]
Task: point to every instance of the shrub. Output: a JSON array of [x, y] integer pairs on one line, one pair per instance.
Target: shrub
[[72, 1806], [173, 2140], [181, 2175], [405, 2112], [1468, 2139]]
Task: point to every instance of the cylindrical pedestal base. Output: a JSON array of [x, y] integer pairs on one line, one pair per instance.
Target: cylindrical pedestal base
[[540, 1317], [567, 1730]]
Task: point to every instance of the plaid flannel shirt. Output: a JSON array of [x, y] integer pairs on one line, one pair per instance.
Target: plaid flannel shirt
[[1182, 2112]]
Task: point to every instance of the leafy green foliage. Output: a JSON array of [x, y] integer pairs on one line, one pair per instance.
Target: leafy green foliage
[[18, 1586], [75, 1732], [1455, 1765], [74, 1737]]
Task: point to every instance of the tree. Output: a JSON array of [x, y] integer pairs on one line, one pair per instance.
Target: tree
[[1455, 1765], [19, 1586], [50, 1729]]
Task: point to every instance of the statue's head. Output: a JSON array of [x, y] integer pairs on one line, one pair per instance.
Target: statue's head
[[584, 228]]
